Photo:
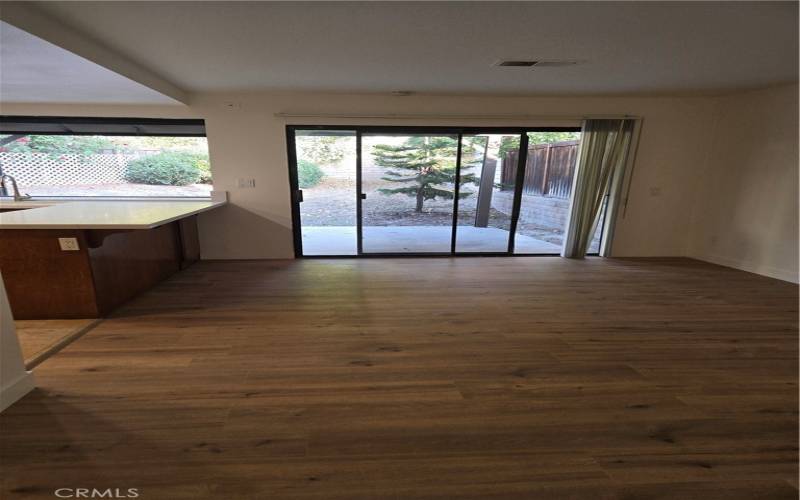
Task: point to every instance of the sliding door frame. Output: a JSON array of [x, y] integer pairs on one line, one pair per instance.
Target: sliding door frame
[[456, 191], [460, 132], [294, 193], [519, 187], [359, 199]]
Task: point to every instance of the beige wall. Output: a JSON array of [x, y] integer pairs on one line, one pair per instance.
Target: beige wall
[[250, 142], [746, 210], [246, 140], [15, 381]]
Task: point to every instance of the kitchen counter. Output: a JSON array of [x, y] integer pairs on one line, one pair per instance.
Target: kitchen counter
[[9, 204], [116, 214], [66, 259]]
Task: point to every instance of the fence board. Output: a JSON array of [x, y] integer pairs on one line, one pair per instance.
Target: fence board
[[42, 169], [548, 170]]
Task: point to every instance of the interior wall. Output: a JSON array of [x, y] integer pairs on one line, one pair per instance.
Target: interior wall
[[746, 210], [247, 141], [15, 381]]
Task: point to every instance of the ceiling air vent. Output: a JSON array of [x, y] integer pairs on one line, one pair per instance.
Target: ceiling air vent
[[516, 64], [555, 63], [539, 63]]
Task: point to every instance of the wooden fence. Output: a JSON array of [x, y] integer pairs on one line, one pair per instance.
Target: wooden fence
[[42, 169], [548, 170]]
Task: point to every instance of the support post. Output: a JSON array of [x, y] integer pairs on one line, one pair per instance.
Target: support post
[[485, 191]]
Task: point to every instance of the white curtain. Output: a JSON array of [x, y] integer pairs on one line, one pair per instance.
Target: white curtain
[[601, 161]]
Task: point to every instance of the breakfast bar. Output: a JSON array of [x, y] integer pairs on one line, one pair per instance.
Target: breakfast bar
[[83, 259]]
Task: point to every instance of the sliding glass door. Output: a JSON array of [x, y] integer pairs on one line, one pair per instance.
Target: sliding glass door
[[546, 192], [486, 192], [432, 191], [325, 193], [407, 190]]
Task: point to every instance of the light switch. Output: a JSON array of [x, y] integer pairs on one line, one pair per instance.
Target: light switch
[[69, 244], [247, 183]]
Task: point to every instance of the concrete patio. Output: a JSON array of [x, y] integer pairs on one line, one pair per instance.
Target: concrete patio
[[341, 240]]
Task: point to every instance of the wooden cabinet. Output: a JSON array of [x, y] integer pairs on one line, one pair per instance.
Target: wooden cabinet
[[110, 267]]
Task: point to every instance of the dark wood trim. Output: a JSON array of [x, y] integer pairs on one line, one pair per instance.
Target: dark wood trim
[[129, 263], [44, 282], [188, 241]]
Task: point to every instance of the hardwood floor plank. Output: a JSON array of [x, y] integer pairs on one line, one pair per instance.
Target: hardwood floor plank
[[424, 378]]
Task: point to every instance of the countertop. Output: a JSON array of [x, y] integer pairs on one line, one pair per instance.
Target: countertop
[[116, 214], [9, 204]]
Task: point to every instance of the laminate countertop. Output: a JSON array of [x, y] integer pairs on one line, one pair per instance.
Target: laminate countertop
[[116, 214]]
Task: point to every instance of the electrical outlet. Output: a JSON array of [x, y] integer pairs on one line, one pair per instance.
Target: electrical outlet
[[69, 244], [247, 183]]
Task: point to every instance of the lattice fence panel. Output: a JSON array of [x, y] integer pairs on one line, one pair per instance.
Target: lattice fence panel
[[40, 169]]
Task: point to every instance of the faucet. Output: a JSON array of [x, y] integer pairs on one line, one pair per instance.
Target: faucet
[[4, 180]]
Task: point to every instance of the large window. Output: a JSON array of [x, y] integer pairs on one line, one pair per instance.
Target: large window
[[105, 158], [432, 190]]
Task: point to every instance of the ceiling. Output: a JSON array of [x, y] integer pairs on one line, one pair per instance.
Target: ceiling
[[439, 47], [33, 70]]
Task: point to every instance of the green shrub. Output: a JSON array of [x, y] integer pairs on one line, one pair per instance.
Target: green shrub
[[323, 149], [205, 169], [168, 168], [308, 174]]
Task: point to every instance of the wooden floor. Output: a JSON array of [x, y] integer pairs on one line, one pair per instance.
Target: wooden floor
[[38, 339], [425, 378]]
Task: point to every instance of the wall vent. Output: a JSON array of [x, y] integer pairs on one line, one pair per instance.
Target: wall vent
[[556, 63], [515, 63], [538, 63]]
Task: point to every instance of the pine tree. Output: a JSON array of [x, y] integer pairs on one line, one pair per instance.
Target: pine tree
[[426, 164]]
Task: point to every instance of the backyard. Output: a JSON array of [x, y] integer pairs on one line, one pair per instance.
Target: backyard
[[123, 166]]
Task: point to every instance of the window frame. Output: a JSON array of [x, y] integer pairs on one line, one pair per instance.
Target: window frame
[[361, 130], [105, 126]]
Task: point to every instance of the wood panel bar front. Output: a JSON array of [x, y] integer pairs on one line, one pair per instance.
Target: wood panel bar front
[[43, 281], [110, 267]]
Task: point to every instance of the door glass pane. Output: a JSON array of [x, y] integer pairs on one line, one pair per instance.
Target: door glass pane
[[486, 193], [546, 192], [326, 173], [408, 181]]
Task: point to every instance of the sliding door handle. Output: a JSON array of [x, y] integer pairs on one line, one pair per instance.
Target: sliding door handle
[[299, 196], [363, 196]]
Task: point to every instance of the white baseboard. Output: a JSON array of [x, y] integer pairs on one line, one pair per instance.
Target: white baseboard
[[12, 392], [752, 267]]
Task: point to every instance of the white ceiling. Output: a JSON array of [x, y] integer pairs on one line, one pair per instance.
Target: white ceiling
[[33, 70], [446, 47]]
